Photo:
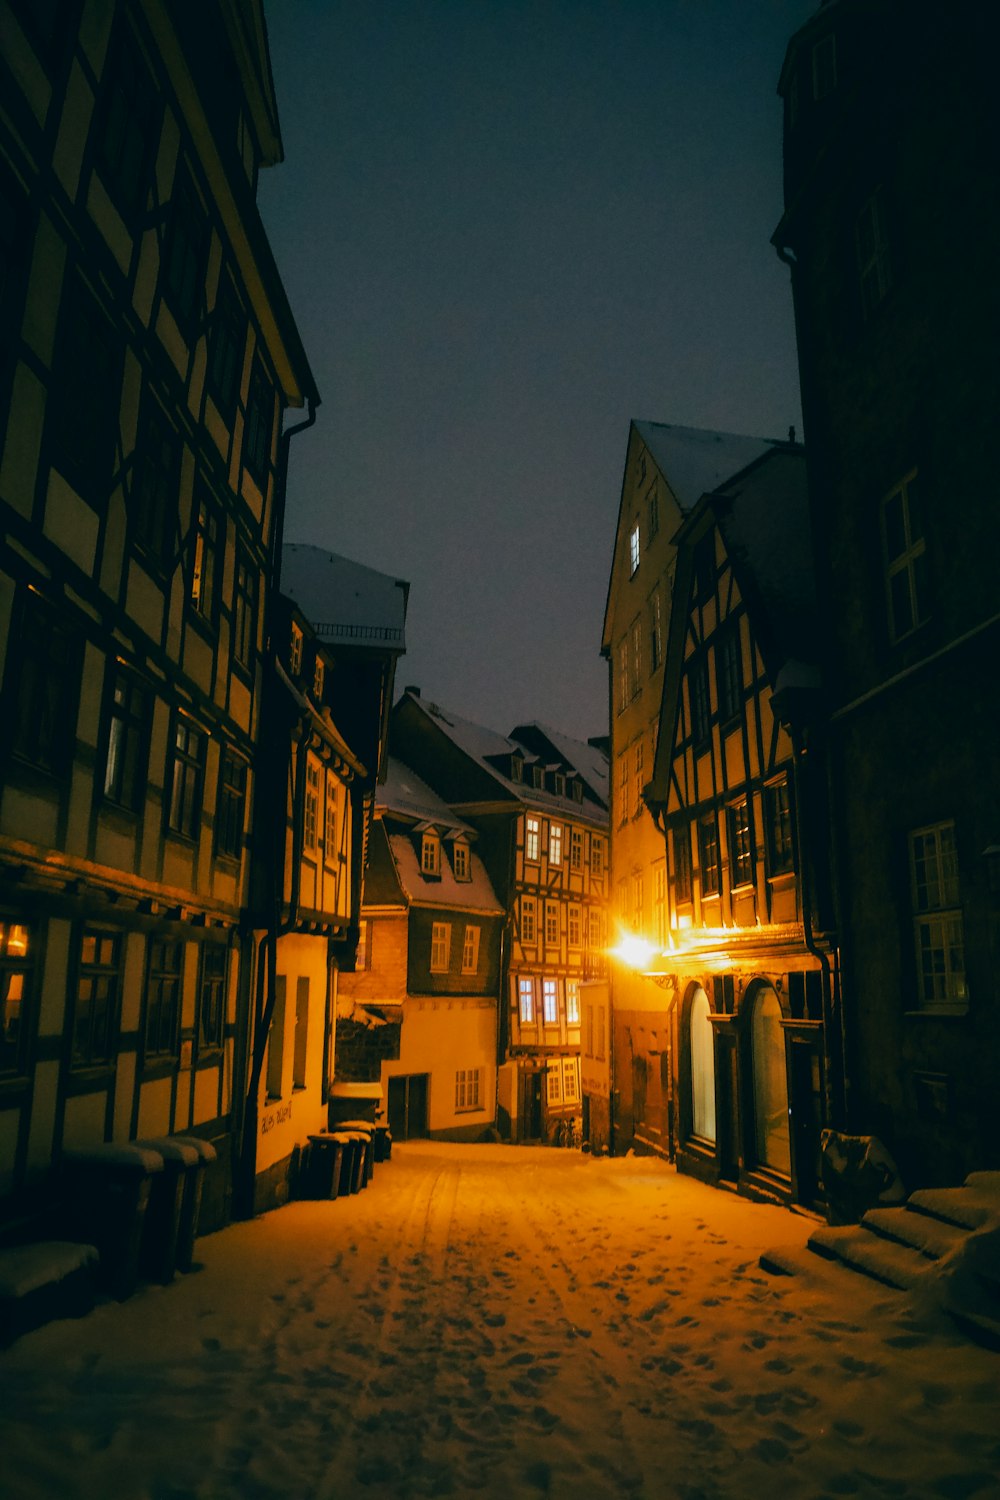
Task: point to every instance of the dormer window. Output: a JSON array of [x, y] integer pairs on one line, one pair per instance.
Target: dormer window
[[516, 768], [295, 651], [319, 677], [460, 861], [430, 854], [560, 784], [578, 791], [538, 777]]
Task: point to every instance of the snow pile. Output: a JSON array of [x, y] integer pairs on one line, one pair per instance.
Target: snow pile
[[504, 1322]]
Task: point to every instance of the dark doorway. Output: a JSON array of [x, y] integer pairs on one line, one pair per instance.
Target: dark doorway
[[806, 1078], [531, 1111], [727, 1096], [408, 1106]]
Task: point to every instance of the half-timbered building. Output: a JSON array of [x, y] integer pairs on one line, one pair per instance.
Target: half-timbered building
[[538, 801], [419, 1012], [747, 965], [147, 354], [338, 631], [667, 469]]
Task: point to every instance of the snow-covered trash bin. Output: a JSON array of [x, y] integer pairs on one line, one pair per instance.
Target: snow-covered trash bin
[[53, 1279], [107, 1191], [383, 1143], [365, 1128], [161, 1231], [194, 1186], [352, 1172], [326, 1160]]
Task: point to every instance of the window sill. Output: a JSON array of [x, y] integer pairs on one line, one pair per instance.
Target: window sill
[[470, 1109], [189, 840], [158, 1067], [938, 1012], [206, 626], [209, 1057], [745, 888]]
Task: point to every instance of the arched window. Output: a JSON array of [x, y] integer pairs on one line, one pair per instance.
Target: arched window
[[770, 1085], [702, 1042]]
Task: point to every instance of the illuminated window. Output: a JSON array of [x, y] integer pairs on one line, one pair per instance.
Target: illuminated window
[[872, 246], [526, 999], [331, 820], [660, 902], [550, 1002], [633, 550], [468, 1088], [212, 997], [571, 1079], [440, 947], [777, 811], [230, 808], [164, 976], [430, 854], [682, 863], [319, 678], [729, 673], [527, 919], [187, 779], [553, 1083], [708, 850], [460, 860], [551, 923], [295, 650], [244, 610], [574, 926], [532, 838], [125, 754], [576, 846], [204, 557], [311, 811], [741, 849], [905, 559], [555, 843], [824, 66], [701, 1041], [16, 957], [938, 927], [573, 1002], [596, 855], [470, 951]]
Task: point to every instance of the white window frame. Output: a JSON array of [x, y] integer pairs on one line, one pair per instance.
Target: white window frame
[[440, 947], [574, 925], [532, 839], [460, 860], [529, 920], [572, 1002], [634, 550], [526, 999], [905, 563], [596, 854], [310, 812], [576, 849], [550, 1002], [468, 1089], [552, 924], [430, 854], [319, 678], [570, 1080], [555, 843], [938, 930], [295, 650], [470, 950]]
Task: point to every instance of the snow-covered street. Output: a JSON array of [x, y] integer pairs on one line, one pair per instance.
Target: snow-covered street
[[502, 1321]]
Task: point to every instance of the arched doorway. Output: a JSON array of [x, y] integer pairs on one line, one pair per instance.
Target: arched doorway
[[770, 1083], [701, 1040]]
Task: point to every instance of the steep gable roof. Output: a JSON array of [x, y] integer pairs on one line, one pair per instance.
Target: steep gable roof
[[345, 602], [587, 760]]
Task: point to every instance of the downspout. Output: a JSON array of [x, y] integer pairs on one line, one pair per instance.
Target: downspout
[[264, 1009]]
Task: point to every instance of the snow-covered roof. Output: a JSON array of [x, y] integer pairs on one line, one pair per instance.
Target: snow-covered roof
[[404, 793], [344, 601], [694, 460], [587, 760], [442, 889]]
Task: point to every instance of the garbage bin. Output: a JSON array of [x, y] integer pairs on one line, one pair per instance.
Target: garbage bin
[[158, 1248], [383, 1143], [326, 1157], [194, 1184], [107, 1191], [366, 1129], [353, 1163]]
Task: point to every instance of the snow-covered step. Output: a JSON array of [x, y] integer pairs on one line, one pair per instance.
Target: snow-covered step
[[985, 1182], [931, 1237], [885, 1260], [820, 1273], [971, 1207], [40, 1282]]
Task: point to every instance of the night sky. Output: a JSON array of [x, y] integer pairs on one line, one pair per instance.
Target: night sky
[[506, 229]]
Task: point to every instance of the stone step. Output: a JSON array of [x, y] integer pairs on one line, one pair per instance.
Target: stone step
[[988, 1182], [930, 1237], [971, 1207], [825, 1275], [885, 1260]]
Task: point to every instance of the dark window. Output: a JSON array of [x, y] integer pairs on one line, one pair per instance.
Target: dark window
[[84, 398], [125, 757], [700, 704], [127, 128], [777, 811], [97, 989], [824, 66], [729, 674], [203, 558], [704, 567], [653, 515], [244, 611], [905, 555], [708, 851], [682, 863], [163, 997], [43, 714], [16, 955], [184, 260], [155, 484], [260, 425], [741, 850], [872, 244], [226, 343], [229, 815], [13, 269], [42, 21], [212, 997], [187, 779]]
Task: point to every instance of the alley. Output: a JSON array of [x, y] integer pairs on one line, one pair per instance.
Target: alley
[[500, 1321]]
